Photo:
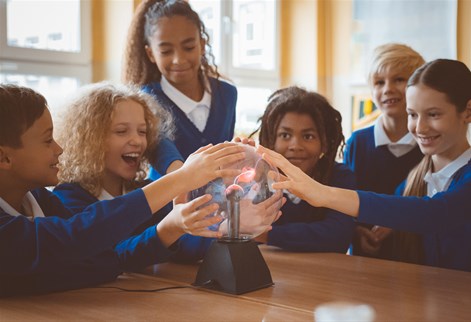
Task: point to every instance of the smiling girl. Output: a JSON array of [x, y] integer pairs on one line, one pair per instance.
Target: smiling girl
[[169, 55], [108, 133], [436, 198]]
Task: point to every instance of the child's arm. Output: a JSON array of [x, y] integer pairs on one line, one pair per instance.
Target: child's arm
[[190, 218], [201, 167], [413, 214], [318, 195], [168, 157]]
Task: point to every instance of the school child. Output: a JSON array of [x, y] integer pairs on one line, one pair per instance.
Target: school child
[[386, 147], [44, 247], [307, 130], [168, 53], [436, 202], [109, 133]]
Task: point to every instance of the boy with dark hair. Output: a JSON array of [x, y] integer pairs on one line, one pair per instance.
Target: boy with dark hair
[[43, 247]]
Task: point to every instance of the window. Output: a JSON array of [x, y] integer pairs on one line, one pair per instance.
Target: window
[[427, 26], [45, 45], [244, 39]]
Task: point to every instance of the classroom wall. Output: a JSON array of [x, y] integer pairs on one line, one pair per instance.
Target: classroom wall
[[315, 40], [299, 50], [111, 19]]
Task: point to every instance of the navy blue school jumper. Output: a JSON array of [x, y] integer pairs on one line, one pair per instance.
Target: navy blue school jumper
[[188, 139], [64, 251], [444, 220], [76, 199], [377, 169], [304, 228]]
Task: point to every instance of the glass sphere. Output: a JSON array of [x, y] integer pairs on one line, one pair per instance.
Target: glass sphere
[[247, 202]]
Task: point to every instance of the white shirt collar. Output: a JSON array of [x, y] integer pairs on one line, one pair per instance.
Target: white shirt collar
[[30, 205], [105, 195], [406, 144], [440, 180], [186, 104]]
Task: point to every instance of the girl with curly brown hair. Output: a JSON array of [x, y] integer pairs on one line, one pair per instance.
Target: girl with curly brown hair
[[168, 54]]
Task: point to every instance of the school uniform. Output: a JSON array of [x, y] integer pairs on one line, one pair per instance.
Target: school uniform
[[305, 228], [59, 250], [443, 218], [196, 124], [190, 248], [75, 198], [380, 166]]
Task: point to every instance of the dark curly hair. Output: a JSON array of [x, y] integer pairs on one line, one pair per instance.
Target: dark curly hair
[[327, 119], [137, 68]]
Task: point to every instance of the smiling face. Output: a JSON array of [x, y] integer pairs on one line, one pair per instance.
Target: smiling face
[[389, 88], [438, 127], [297, 140], [34, 164], [125, 145], [176, 48]]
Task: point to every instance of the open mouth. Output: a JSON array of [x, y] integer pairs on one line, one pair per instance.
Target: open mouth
[[131, 158]]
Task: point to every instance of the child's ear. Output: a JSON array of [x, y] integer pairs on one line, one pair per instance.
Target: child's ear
[[467, 115], [149, 53], [5, 161]]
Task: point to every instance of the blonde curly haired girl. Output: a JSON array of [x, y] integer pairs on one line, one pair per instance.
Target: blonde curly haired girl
[[85, 129]]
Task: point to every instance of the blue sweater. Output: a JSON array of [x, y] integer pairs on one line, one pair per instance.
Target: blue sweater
[[65, 251], [444, 220], [188, 248], [219, 127], [376, 168], [76, 199], [305, 228]]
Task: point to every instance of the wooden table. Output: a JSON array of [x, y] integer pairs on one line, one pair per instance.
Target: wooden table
[[397, 292], [102, 304]]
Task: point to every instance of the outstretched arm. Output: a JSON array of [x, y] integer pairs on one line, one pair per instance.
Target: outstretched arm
[[201, 167], [318, 195]]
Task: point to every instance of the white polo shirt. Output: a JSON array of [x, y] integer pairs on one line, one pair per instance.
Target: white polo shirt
[[440, 180], [30, 206], [406, 144], [197, 112]]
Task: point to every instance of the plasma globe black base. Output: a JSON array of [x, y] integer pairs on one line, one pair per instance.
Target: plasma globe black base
[[234, 267]]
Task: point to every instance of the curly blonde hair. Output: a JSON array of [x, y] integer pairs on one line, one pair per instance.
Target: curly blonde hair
[[84, 127], [137, 68]]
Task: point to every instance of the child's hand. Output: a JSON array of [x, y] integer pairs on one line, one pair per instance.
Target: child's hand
[[248, 141], [294, 179], [205, 164], [190, 217], [372, 239], [257, 218], [193, 218]]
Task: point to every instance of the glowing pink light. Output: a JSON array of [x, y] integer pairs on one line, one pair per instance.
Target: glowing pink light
[[246, 176]]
